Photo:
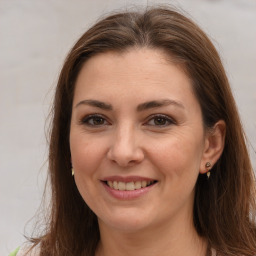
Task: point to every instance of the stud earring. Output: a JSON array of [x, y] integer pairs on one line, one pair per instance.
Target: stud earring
[[208, 166], [72, 171]]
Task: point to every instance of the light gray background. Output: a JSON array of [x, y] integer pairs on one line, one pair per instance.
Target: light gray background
[[36, 35]]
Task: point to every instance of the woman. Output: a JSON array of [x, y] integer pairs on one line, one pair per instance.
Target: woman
[[147, 152]]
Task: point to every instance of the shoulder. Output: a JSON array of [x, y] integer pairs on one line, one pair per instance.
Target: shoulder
[[26, 250]]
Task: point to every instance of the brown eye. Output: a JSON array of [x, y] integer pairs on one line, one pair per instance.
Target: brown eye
[[160, 120], [94, 120], [97, 121]]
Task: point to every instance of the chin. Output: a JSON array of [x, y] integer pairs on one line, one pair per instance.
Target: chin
[[130, 227], [127, 224]]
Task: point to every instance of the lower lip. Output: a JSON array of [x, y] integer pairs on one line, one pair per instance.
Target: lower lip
[[127, 195]]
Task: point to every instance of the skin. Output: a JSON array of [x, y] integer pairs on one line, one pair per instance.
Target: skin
[[165, 143]]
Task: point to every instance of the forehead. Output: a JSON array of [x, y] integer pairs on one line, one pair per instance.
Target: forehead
[[131, 60], [142, 73]]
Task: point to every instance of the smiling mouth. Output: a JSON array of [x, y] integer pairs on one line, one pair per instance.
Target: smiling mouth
[[129, 186]]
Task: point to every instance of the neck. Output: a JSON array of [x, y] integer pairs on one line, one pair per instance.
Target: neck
[[170, 239]]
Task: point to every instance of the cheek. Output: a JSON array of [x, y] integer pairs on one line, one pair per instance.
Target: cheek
[[85, 153], [178, 162], [86, 156], [178, 155]]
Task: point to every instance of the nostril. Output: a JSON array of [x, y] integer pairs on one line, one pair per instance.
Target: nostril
[[125, 154]]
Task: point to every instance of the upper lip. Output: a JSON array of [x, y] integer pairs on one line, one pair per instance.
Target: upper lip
[[127, 178]]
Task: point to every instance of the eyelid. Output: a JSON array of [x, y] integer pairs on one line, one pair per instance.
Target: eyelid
[[84, 120], [168, 118]]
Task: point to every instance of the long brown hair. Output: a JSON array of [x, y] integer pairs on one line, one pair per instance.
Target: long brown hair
[[224, 206]]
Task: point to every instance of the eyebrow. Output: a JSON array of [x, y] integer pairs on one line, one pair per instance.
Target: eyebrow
[[95, 103], [141, 107], [158, 103]]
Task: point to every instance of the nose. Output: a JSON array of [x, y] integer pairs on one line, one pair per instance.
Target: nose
[[125, 149]]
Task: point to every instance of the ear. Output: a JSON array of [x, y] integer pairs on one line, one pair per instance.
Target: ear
[[214, 145]]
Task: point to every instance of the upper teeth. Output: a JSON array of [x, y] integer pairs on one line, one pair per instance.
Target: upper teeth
[[119, 185]]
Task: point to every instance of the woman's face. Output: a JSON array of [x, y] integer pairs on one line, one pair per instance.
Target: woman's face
[[136, 140]]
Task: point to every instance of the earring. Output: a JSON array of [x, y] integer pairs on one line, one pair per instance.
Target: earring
[[208, 166], [72, 171]]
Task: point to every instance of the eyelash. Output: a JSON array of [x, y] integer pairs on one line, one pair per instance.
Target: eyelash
[[86, 120], [165, 118]]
